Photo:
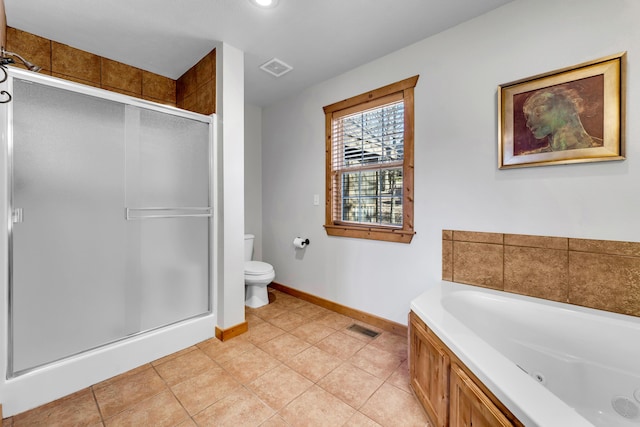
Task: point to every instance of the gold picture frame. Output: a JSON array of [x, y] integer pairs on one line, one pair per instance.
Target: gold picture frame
[[572, 115]]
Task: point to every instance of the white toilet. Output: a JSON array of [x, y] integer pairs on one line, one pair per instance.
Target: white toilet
[[257, 275]]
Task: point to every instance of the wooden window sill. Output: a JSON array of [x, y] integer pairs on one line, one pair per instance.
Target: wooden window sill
[[371, 233]]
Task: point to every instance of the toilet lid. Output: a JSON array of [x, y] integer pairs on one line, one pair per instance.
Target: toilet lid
[[257, 267]]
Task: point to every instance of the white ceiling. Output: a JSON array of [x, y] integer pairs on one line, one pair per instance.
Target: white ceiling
[[319, 39]]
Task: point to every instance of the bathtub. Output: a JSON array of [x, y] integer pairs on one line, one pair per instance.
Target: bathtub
[[550, 364]]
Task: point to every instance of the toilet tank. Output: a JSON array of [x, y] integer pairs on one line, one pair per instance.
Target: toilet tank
[[248, 246]]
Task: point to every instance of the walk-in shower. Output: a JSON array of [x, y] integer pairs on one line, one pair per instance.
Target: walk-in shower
[[107, 206]]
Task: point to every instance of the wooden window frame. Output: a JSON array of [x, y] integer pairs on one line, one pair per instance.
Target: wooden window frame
[[334, 227]]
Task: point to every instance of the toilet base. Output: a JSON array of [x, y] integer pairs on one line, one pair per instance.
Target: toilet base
[[256, 296]]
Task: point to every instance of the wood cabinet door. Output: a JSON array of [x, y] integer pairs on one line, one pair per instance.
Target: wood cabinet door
[[469, 405], [429, 371]]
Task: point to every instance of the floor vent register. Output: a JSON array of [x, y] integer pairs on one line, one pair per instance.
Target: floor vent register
[[364, 331]]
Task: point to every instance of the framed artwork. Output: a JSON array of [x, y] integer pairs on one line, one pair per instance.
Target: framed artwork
[[565, 116]]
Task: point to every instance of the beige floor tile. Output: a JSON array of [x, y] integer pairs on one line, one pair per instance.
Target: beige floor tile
[[161, 410], [376, 361], [336, 321], [132, 372], [185, 367], [205, 389], [188, 423], [288, 321], [360, 420], [241, 408], [279, 386], [275, 421], [392, 343], [390, 407], [284, 300], [312, 331], [208, 342], [317, 407], [250, 365], [78, 409], [223, 351], [263, 332], [314, 363], [269, 311], [284, 347], [340, 345], [400, 377], [249, 311], [350, 384], [252, 319], [312, 311], [173, 355], [129, 390], [211, 342]]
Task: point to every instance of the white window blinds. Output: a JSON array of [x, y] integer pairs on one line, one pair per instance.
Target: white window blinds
[[367, 163]]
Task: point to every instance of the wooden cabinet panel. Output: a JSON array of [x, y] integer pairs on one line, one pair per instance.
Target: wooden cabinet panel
[[429, 371], [450, 394], [469, 406]]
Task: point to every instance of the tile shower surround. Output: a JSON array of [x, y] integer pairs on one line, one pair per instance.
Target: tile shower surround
[[600, 274], [297, 366], [194, 91]]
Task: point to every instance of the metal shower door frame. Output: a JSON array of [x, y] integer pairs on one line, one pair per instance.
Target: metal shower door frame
[[14, 215]]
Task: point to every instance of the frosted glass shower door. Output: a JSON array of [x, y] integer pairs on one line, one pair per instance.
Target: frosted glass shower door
[[168, 210], [110, 220], [67, 290]]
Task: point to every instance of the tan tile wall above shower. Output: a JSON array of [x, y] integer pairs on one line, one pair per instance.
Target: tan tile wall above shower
[[196, 89], [599, 274], [76, 63], [69, 63], [158, 88], [33, 48], [119, 76]]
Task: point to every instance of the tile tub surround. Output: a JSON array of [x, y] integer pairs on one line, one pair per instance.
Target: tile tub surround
[[600, 274], [297, 365], [193, 91]]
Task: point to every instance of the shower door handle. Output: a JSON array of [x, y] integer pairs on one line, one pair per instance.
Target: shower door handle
[[17, 216], [151, 213]]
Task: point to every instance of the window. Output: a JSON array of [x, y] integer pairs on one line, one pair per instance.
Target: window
[[369, 164]]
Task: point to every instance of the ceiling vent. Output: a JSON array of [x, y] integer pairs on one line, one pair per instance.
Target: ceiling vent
[[276, 67]]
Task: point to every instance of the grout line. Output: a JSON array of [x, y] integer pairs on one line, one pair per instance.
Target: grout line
[[95, 400]]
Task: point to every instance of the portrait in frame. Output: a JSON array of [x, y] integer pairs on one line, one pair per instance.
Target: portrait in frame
[[572, 115]]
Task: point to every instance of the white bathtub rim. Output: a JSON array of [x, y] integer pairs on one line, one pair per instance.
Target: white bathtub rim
[[529, 401], [571, 315]]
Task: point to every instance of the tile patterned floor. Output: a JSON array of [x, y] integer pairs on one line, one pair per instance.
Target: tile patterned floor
[[297, 366]]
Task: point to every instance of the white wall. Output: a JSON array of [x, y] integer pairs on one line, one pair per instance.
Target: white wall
[[253, 176], [457, 182], [229, 183]]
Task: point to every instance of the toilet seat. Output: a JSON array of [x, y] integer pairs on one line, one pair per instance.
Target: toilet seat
[[257, 268], [258, 273]]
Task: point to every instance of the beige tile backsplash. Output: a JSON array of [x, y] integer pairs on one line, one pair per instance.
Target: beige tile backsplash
[[478, 264], [598, 274]]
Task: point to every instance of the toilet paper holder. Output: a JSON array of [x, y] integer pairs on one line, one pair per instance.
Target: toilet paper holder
[[300, 243]]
